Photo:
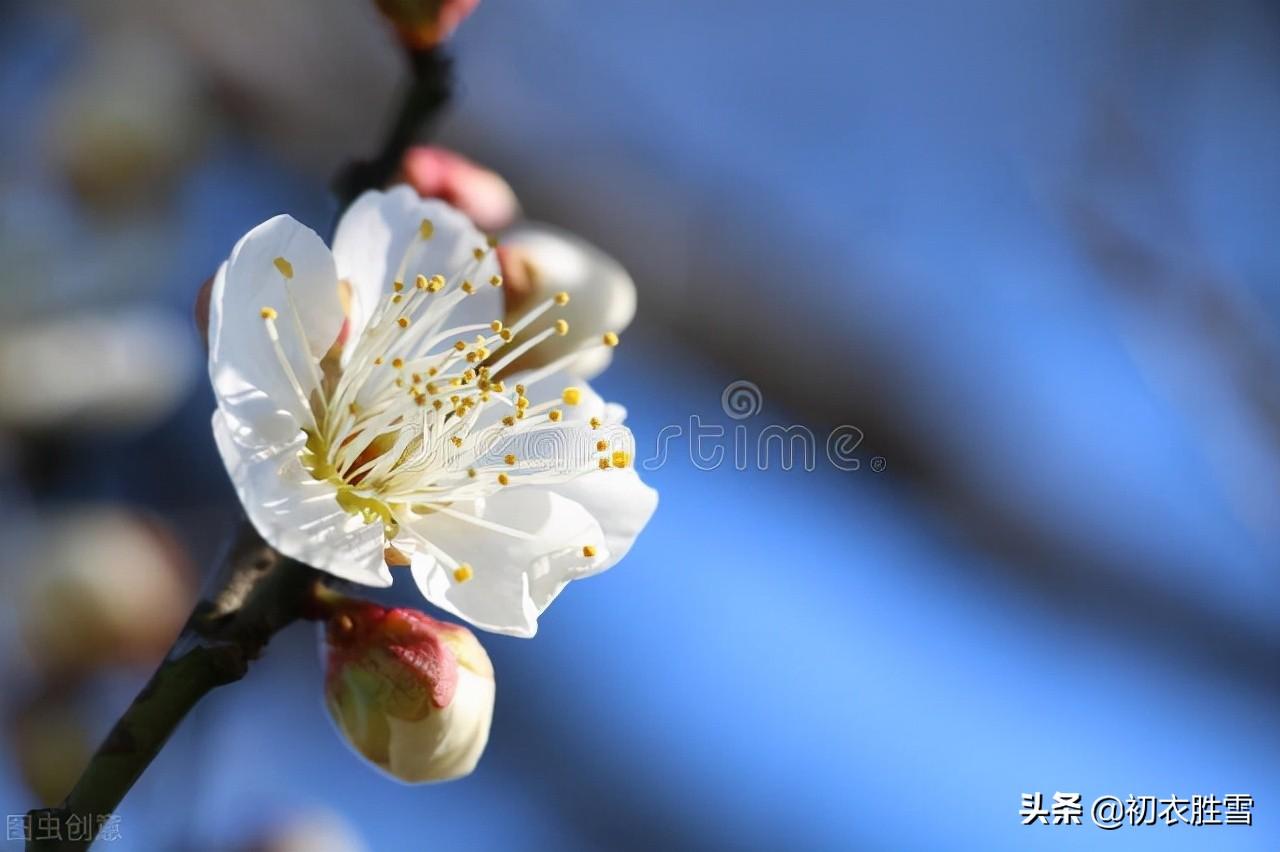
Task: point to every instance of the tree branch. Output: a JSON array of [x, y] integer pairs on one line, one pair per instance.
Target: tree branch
[[259, 593]]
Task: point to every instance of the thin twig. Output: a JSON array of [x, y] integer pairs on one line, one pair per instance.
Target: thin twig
[[261, 592]]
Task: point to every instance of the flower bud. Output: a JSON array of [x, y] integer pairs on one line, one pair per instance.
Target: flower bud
[[483, 195], [539, 261], [426, 23], [413, 695], [107, 587]]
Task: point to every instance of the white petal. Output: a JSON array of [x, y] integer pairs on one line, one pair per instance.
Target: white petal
[[380, 229], [513, 578], [247, 375], [603, 296], [620, 503], [299, 515]]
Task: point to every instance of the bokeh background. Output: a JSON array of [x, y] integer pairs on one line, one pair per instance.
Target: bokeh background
[[1030, 250]]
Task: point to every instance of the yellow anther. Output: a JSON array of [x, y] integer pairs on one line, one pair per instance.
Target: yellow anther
[[491, 241], [377, 362], [471, 472], [397, 286], [437, 404], [462, 573], [403, 322], [399, 383], [420, 282], [610, 339], [436, 283], [353, 408], [602, 445], [522, 402], [285, 267], [520, 390], [417, 378], [419, 398], [478, 254], [426, 229], [510, 458], [604, 464], [571, 396], [482, 353], [457, 442], [497, 387], [508, 421], [398, 363], [496, 325], [454, 399], [505, 334], [562, 327], [588, 551], [554, 415], [268, 313], [460, 345], [496, 280], [468, 287], [562, 298], [433, 388], [397, 299], [621, 459], [431, 371], [595, 422], [468, 377], [503, 479]]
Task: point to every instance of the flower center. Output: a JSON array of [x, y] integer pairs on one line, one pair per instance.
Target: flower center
[[416, 415]]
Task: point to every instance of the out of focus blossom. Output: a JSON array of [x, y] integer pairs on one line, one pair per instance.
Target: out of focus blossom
[[540, 260], [320, 831], [483, 195], [104, 587], [128, 116], [52, 745], [413, 695], [319, 80], [426, 23], [122, 370], [367, 418]]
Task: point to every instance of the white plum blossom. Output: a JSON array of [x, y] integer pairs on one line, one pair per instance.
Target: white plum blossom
[[367, 418]]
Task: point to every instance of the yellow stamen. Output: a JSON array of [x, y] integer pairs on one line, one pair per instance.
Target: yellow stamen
[[285, 267], [571, 396], [610, 339], [588, 551], [462, 573], [268, 313]]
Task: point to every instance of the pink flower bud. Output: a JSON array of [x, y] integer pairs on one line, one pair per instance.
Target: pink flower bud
[[482, 194], [413, 695], [426, 23]]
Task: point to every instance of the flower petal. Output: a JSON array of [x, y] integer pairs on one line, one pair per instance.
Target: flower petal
[[513, 577], [620, 503], [284, 266], [379, 239], [296, 514]]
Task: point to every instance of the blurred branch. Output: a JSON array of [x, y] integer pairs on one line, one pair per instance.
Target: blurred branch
[[427, 95], [259, 592]]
